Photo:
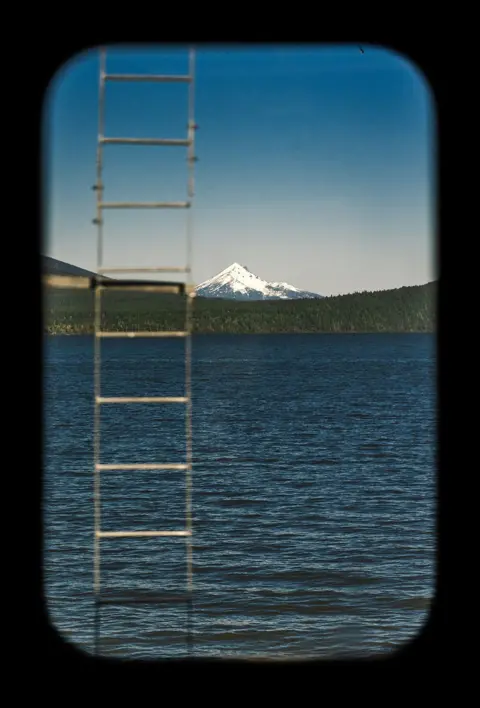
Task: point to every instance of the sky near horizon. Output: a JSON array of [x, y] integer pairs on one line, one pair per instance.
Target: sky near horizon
[[316, 164]]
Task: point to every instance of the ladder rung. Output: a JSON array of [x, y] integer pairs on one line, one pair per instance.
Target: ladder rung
[[139, 534], [144, 399], [144, 205], [144, 285], [140, 466], [183, 142], [66, 281], [83, 282], [158, 78], [163, 269], [162, 333], [133, 599], [173, 289]]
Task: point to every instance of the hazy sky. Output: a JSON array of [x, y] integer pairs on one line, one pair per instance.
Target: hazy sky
[[316, 165]]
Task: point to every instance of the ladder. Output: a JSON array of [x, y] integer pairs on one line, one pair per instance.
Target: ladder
[[183, 288]]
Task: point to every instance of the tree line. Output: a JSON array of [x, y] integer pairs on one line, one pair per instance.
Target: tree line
[[406, 309]]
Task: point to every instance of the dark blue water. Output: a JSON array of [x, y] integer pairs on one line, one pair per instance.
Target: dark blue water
[[314, 493]]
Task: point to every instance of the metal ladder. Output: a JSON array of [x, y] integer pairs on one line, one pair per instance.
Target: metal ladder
[[100, 284]]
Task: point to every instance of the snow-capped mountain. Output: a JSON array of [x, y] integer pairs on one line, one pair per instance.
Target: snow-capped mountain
[[237, 283]]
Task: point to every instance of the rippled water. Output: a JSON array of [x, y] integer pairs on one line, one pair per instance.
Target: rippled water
[[314, 493]]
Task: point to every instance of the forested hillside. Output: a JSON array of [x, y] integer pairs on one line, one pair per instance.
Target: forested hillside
[[407, 309]]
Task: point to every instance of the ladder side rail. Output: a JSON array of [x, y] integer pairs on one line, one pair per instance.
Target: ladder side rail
[[188, 349], [97, 350], [188, 317]]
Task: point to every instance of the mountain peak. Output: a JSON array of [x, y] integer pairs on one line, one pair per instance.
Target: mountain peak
[[237, 282], [235, 266]]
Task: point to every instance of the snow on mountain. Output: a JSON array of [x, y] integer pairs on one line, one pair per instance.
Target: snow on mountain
[[238, 283]]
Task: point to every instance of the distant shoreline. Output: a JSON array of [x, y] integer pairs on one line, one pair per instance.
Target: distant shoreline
[[263, 334], [409, 309]]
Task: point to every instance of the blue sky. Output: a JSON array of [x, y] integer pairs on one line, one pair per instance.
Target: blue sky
[[316, 164]]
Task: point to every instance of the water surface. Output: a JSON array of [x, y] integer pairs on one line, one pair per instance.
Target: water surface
[[313, 493]]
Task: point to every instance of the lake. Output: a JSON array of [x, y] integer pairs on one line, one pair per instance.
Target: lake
[[314, 493]]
